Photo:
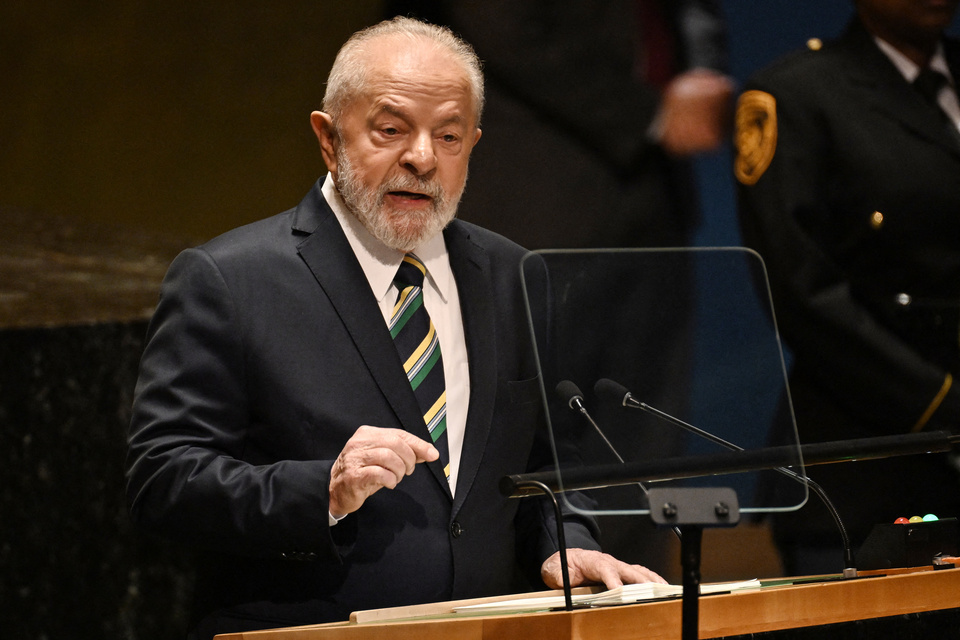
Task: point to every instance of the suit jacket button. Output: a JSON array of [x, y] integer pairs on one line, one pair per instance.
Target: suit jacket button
[[455, 529]]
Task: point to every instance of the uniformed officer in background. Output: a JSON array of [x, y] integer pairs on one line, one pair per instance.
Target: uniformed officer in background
[[848, 162]]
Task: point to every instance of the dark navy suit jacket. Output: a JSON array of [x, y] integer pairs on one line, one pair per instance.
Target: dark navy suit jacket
[[266, 352]]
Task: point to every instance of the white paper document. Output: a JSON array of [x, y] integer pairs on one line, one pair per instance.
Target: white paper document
[[621, 595]]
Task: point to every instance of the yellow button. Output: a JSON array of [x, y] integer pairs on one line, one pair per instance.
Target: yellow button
[[876, 220], [814, 44]]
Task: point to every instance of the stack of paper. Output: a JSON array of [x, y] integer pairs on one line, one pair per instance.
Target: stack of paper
[[621, 595]]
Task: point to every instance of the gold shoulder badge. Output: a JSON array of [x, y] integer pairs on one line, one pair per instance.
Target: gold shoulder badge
[[756, 135]]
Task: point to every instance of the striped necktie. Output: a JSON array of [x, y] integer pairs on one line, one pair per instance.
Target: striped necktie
[[419, 348]]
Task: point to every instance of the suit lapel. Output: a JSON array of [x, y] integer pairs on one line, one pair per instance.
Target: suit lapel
[[471, 270], [329, 256], [888, 93]]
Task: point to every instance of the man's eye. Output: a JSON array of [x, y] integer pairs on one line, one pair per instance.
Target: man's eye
[[390, 131], [449, 138]]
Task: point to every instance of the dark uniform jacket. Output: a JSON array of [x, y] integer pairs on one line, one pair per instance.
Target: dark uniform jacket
[[850, 191]]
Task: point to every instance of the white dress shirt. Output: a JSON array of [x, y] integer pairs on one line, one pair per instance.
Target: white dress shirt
[[440, 297], [947, 98]]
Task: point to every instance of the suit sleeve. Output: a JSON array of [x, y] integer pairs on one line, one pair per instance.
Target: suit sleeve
[[785, 216], [579, 531], [185, 468], [536, 516], [703, 34]]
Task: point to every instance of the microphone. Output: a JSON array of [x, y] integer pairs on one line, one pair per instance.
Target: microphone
[[611, 389], [571, 396], [619, 393]]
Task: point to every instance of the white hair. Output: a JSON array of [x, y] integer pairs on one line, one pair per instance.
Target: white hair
[[348, 75]]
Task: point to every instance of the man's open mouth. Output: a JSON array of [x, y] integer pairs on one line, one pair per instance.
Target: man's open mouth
[[410, 195]]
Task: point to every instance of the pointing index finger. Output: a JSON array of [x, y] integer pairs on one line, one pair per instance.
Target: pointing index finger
[[424, 451]]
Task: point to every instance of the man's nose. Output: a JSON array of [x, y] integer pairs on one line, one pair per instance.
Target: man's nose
[[419, 156]]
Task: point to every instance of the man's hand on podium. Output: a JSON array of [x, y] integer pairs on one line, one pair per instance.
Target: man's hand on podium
[[594, 567]]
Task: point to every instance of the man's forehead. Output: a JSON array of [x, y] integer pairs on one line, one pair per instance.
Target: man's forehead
[[394, 57], [398, 70]]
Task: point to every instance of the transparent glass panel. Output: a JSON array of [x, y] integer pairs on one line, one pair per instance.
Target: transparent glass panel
[[688, 332]]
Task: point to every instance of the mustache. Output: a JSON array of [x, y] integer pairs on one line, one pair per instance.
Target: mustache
[[427, 186]]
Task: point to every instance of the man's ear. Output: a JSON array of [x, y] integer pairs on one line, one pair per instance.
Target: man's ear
[[322, 125]]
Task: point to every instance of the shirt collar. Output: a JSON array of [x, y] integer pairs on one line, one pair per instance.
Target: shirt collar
[[907, 67], [380, 262]]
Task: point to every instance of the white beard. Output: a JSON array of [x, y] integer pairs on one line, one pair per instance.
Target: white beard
[[400, 230]]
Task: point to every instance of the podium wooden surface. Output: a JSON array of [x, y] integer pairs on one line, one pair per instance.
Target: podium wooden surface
[[770, 608]]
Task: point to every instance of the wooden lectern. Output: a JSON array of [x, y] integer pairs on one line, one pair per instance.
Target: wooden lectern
[[884, 598]]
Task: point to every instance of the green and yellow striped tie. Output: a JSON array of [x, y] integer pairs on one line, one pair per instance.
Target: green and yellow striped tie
[[419, 348]]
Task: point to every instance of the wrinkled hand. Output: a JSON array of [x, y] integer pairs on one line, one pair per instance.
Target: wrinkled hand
[[374, 458], [696, 112], [594, 567]]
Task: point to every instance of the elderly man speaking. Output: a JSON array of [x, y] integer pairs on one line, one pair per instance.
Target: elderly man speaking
[[329, 396]]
